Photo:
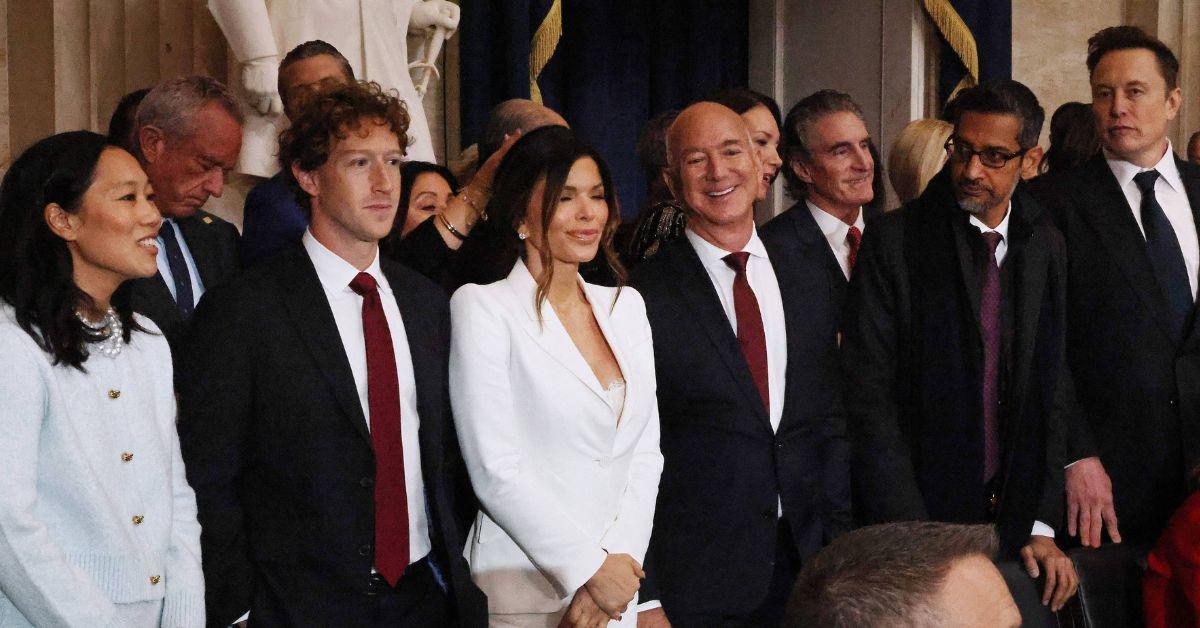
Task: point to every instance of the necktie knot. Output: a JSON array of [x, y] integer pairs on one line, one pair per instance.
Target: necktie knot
[[992, 239], [737, 261], [1145, 181], [854, 237], [363, 283]]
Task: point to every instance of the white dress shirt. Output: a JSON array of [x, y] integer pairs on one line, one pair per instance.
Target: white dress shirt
[[336, 274], [835, 232], [761, 277], [1002, 229], [1172, 196], [164, 267], [1039, 527]]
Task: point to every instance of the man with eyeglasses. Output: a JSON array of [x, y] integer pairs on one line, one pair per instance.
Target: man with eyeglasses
[[953, 345]]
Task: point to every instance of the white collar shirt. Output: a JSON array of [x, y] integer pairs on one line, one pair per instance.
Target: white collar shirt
[[335, 275], [761, 277], [835, 232], [1171, 196], [1002, 229]]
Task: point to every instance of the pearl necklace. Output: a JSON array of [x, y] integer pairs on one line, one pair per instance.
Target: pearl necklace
[[110, 328]]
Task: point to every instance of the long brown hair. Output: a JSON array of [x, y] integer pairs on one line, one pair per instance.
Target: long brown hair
[[546, 154]]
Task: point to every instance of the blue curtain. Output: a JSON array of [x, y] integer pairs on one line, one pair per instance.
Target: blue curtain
[[618, 63], [991, 23]]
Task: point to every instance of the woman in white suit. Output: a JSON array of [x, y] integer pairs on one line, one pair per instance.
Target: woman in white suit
[[552, 385]]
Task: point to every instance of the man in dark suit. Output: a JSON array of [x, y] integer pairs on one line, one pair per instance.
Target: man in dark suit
[[1129, 219], [756, 472], [829, 170], [271, 219], [953, 345], [314, 410], [188, 132]]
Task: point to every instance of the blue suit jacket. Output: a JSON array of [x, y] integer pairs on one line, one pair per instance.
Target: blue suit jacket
[[271, 221]]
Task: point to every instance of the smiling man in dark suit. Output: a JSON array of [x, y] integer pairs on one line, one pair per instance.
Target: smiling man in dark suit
[[756, 474], [829, 171], [314, 409], [1129, 218], [954, 340], [187, 135]]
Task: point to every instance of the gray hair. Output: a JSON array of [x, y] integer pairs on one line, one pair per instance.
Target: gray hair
[[794, 145], [884, 575], [173, 104]]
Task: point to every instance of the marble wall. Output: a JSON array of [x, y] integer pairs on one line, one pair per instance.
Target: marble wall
[[1050, 46]]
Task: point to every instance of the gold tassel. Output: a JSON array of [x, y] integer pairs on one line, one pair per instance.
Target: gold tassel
[[956, 33], [545, 41]]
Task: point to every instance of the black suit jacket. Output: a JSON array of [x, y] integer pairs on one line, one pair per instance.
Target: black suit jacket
[[713, 545], [797, 229], [213, 243], [278, 451], [1138, 384], [912, 355]]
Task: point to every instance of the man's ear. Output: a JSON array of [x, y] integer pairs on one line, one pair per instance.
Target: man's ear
[[800, 169], [1030, 162], [152, 141], [62, 223], [307, 179], [670, 181]]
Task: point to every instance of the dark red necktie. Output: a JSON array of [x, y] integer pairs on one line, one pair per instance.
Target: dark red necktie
[[854, 239], [989, 322], [383, 401], [751, 337]]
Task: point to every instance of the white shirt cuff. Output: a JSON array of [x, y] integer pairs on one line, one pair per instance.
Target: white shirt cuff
[[1041, 529], [648, 606]]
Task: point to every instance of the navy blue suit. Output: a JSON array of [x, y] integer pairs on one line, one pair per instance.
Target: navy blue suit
[[271, 221], [713, 550]]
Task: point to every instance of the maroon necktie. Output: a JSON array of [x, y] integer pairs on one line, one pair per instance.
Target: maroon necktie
[[383, 401], [751, 337], [989, 321], [854, 239]]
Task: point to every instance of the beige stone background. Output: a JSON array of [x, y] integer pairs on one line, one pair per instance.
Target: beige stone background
[[64, 64], [1050, 48]]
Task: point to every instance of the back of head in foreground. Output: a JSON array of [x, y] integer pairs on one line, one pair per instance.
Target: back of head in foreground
[[896, 575]]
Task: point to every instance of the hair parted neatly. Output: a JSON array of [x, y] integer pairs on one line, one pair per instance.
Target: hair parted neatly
[[1130, 38], [794, 146]]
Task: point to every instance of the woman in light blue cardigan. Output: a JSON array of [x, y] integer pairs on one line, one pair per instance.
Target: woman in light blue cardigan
[[97, 521]]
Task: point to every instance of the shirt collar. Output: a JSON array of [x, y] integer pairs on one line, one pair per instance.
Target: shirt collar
[[1001, 228], [336, 273], [831, 225], [1167, 170], [711, 255]]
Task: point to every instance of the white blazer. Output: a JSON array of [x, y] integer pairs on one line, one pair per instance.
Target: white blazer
[[560, 480]]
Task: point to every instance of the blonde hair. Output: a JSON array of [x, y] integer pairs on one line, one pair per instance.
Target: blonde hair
[[917, 154]]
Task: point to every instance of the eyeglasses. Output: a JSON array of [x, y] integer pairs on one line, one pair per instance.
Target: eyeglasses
[[990, 157]]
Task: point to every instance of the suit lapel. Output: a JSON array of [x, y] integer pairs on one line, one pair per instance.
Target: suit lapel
[[1109, 213], [428, 366], [701, 297], [814, 246], [1028, 252], [549, 333], [196, 233], [309, 309], [968, 272], [602, 306], [1191, 183]]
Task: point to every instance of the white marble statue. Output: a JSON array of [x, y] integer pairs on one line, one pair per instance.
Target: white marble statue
[[371, 33]]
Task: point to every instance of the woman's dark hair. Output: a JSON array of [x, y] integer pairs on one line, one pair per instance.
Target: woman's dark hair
[[741, 100], [409, 171], [545, 154], [36, 269], [1073, 138]]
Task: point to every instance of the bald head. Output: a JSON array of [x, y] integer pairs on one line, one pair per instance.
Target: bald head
[[713, 169], [510, 116]]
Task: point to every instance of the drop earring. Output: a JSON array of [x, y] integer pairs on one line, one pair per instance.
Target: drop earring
[[521, 235]]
